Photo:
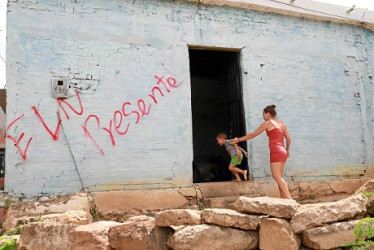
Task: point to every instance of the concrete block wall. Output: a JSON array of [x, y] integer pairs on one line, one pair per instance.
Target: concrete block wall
[[118, 131]]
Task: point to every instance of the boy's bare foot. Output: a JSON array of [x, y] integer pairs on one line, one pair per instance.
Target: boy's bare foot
[[245, 175], [237, 180]]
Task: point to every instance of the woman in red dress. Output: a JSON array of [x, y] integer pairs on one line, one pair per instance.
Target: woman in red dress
[[276, 131]]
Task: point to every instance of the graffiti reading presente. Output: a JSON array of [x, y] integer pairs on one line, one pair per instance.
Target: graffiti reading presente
[[119, 124]]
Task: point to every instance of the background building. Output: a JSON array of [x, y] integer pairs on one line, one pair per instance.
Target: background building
[[146, 86]]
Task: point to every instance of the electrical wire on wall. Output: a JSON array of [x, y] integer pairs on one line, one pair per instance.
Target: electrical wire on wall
[[71, 153], [84, 189]]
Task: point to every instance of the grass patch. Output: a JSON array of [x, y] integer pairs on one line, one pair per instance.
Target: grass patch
[[364, 231], [8, 244]]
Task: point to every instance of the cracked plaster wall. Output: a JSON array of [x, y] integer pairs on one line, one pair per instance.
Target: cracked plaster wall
[[319, 74]]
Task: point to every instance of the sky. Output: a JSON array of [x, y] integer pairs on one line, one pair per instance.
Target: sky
[[363, 4], [3, 4]]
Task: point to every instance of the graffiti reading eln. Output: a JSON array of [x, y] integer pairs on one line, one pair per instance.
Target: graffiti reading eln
[[120, 124]]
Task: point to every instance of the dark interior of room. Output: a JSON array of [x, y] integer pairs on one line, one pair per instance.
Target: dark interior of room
[[217, 106]]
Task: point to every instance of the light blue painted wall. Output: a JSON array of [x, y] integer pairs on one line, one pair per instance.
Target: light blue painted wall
[[318, 74]]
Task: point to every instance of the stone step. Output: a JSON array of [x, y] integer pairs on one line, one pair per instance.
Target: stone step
[[229, 201], [222, 202], [243, 188], [308, 191], [136, 202]]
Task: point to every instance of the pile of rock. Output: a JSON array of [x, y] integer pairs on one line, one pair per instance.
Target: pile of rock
[[267, 223], [261, 222]]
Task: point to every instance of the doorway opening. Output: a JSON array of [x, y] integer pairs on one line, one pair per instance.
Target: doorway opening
[[217, 106]]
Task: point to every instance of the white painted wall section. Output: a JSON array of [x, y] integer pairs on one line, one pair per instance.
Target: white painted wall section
[[116, 131]]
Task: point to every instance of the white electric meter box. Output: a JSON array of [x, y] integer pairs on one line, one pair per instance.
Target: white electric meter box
[[60, 87]]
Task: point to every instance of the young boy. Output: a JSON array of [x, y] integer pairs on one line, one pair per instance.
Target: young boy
[[236, 156]]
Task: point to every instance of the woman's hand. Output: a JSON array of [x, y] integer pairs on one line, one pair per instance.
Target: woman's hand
[[234, 141]]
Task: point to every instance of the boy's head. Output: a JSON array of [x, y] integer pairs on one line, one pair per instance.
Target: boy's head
[[221, 138]]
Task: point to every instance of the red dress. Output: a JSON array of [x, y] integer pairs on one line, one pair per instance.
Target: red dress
[[278, 152]]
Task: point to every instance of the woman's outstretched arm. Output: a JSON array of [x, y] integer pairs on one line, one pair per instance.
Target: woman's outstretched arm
[[249, 136]]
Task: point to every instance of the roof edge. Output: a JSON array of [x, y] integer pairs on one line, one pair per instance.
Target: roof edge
[[302, 8]]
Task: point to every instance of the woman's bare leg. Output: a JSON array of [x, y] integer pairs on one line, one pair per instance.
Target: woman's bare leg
[[277, 170]]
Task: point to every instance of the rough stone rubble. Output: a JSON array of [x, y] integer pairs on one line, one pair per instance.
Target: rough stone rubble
[[260, 222]]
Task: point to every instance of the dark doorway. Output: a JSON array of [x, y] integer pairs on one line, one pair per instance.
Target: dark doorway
[[217, 106]]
